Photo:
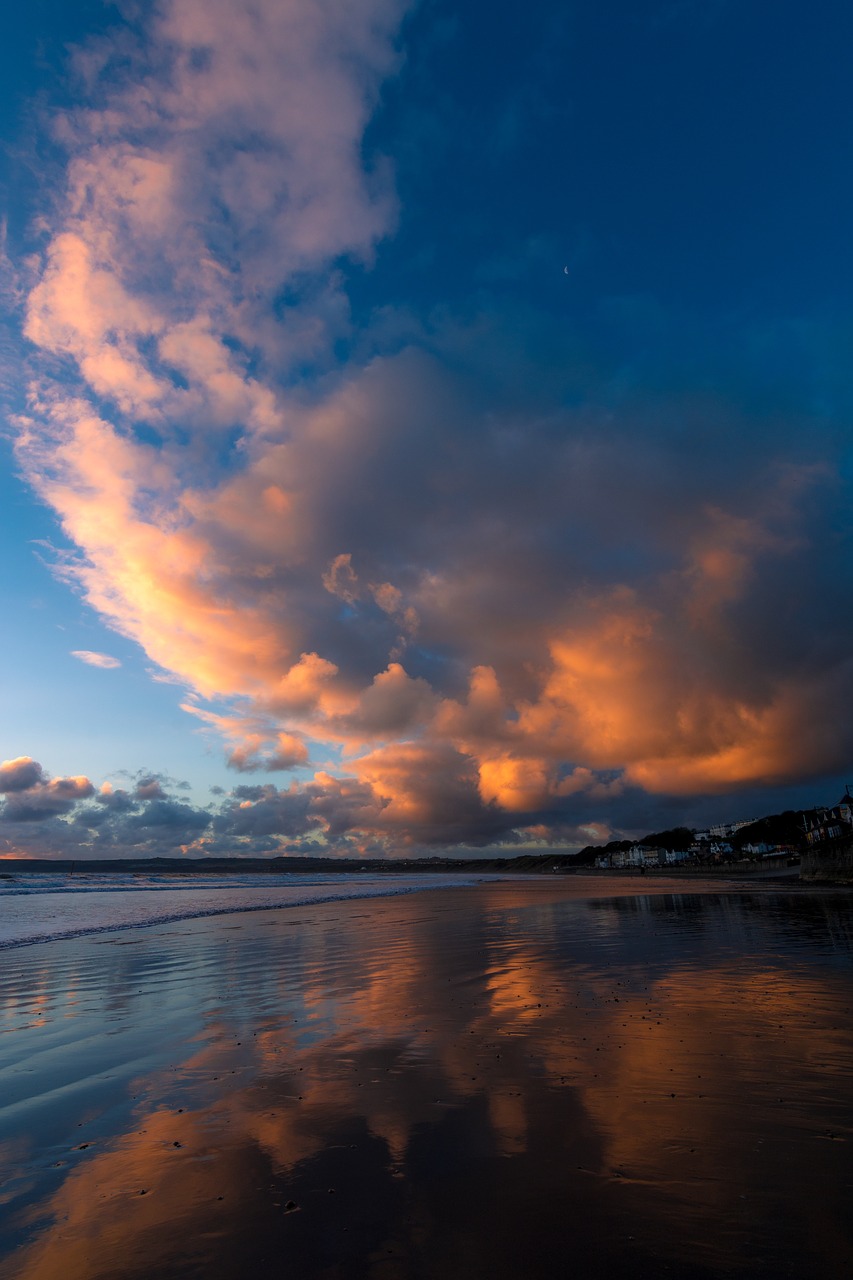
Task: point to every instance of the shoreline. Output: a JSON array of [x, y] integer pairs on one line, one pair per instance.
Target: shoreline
[[59, 913]]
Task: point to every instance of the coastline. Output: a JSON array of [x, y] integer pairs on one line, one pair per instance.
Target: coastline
[[40, 907], [528, 865], [32, 912]]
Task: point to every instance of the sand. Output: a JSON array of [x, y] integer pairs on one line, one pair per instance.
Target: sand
[[536, 1079]]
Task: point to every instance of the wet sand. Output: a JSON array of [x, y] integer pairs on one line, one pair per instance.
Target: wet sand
[[519, 1080]]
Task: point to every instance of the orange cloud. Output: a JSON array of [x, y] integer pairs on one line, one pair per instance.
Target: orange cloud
[[493, 611]]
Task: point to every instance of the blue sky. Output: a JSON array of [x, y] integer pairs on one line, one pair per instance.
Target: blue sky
[[446, 406]]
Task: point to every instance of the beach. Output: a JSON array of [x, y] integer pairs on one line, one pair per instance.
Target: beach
[[585, 1076]]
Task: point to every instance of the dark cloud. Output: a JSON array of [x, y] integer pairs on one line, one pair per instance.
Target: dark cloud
[[31, 795], [265, 811], [150, 788], [116, 801], [20, 774], [170, 814]]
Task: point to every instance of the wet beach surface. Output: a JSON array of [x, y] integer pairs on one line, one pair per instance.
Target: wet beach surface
[[522, 1079]]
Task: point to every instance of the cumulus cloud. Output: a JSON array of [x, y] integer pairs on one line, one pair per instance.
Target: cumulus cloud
[[149, 788], [92, 659], [21, 774], [32, 795], [401, 799], [510, 594]]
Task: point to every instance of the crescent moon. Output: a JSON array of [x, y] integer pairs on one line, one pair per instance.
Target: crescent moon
[[565, 271]]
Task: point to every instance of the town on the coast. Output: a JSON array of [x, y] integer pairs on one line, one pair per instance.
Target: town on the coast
[[820, 841]]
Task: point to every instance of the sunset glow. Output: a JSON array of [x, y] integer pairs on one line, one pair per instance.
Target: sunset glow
[[437, 545]]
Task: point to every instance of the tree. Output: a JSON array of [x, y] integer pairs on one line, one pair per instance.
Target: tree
[[676, 839]]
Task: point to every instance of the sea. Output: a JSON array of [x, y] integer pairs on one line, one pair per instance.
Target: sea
[[44, 906]]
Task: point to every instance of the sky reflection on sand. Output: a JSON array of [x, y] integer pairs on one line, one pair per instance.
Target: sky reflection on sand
[[477, 1083]]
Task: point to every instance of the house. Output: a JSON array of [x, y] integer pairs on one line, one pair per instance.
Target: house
[[723, 830], [639, 855], [671, 856], [821, 825]]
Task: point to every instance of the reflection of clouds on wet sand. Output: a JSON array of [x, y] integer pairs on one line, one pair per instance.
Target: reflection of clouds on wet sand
[[460, 1085]]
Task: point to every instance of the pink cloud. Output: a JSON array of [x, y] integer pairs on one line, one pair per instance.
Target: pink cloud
[[92, 659], [255, 742]]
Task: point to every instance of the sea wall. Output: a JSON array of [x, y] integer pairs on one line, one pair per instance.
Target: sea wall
[[832, 861]]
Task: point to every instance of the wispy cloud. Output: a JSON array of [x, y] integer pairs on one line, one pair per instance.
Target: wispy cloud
[[94, 659]]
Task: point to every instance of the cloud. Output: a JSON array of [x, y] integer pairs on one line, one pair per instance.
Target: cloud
[[256, 743], [31, 795], [149, 788], [392, 706], [397, 800], [115, 799], [341, 580], [20, 774], [506, 573], [288, 752], [429, 794], [102, 660]]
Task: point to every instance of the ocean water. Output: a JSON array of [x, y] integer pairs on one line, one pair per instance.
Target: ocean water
[[42, 907]]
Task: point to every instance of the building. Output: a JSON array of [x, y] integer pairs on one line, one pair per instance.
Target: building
[[639, 855], [821, 825], [723, 830]]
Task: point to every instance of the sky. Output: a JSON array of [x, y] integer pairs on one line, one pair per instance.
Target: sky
[[426, 427]]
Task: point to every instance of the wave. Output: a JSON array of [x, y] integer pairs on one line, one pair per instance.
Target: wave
[[66, 907]]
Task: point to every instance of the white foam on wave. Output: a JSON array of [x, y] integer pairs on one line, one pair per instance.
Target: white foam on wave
[[48, 908]]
